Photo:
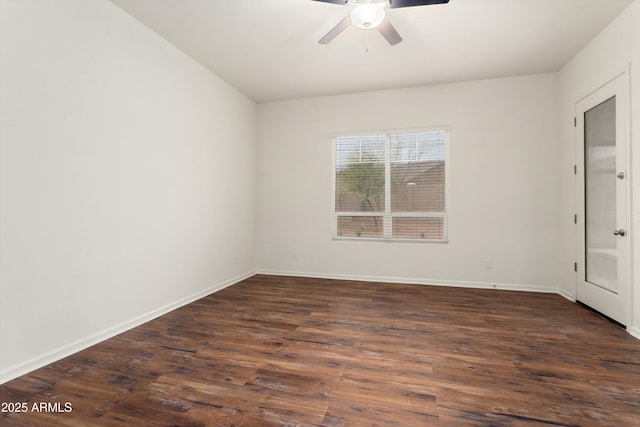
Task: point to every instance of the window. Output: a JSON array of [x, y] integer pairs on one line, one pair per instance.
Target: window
[[391, 186]]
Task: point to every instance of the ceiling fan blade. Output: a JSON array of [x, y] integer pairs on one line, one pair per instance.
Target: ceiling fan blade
[[333, 1], [395, 4], [335, 31], [389, 32]]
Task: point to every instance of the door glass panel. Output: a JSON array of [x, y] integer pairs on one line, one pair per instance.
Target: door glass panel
[[600, 195]]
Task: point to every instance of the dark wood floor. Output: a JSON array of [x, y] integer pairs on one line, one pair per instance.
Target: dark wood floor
[[291, 351]]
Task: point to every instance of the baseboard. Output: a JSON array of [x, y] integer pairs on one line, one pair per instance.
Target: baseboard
[[81, 344], [566, 295], [634, 331], [414, 280]]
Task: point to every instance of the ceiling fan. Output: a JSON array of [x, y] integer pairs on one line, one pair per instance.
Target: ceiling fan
[[370, 14]]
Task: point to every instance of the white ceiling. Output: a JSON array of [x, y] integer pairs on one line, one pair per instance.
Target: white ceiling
[[269, 50]]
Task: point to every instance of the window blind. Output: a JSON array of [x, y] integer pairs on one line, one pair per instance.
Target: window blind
[[391, 186], [360, 186], [418, 185]]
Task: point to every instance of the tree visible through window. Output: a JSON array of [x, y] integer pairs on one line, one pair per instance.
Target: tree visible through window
[[391, 186]]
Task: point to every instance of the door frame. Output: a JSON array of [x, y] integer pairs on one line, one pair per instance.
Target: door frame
[[618, 86]]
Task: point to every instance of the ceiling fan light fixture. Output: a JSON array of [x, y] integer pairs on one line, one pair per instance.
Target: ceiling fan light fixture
[[367, 16]]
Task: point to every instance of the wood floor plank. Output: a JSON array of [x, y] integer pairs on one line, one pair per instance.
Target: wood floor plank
[[286, 351]]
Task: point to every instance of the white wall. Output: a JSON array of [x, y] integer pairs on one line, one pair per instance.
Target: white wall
[[504, 192], [127, 182], [606, 56]]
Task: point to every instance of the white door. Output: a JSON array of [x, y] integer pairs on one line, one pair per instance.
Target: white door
[[602, 187]]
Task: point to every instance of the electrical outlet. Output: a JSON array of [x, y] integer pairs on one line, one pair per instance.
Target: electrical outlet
[[487, 263]]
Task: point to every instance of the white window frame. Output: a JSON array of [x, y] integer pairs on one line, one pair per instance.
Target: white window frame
[[388, 215]]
